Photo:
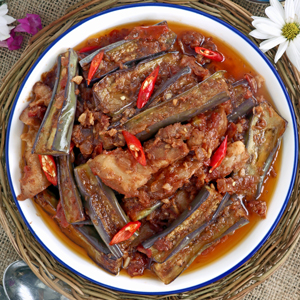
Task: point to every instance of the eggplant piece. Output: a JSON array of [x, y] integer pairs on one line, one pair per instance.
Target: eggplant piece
[[105, 212], [47, 201], [242, 110], [87, 238], [84, 236], [69, 195], [119, 90], [170, 241], [232, 218], [265, 132], [54, 135], [127, 52], [204, 96]]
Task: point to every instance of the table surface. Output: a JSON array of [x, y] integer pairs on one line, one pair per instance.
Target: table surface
[[284, 284]]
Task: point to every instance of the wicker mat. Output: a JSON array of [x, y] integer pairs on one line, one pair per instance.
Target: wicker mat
[[283, 284]]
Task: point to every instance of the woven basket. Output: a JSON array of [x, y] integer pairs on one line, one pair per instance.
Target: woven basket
[[271, 255]]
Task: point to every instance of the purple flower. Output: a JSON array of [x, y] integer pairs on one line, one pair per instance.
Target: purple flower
[[31, 24], [14, 42]]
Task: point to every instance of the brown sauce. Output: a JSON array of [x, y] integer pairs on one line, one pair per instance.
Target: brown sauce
[[236, 67]]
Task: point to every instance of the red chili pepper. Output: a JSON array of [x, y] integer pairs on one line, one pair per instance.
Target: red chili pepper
[[94, 66], [218, 155], [49, 167], [147, 88], [125, 233], [88, 49], [135, 147], [213, 55], [147, 32]]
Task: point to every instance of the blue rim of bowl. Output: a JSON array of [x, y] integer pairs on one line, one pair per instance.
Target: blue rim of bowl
[[295, 157]]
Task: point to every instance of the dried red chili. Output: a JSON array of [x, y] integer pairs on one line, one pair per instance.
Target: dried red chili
[[126, 232], [135, 147]]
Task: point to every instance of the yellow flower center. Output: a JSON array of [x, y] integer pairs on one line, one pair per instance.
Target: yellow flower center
[[290, 31]]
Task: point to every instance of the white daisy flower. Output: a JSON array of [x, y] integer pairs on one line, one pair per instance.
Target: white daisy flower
[[4, 21], [281, 28]]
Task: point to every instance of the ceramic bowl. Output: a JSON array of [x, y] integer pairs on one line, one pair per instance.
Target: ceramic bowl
[[243, 251]]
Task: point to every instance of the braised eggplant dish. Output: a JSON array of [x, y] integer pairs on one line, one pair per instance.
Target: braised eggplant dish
[[146, 150]]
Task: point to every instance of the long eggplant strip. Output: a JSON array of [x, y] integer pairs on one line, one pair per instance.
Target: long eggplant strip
[[198, 231], [106, 218], [40, 143], [266, 128], [69, 195], [168, 89], [199, 199], [242, 110], [204, 216], [232, 218], [84, 236], [114, 201], [204, 96], [47, 201], [127, 52], [117, 91], [54, 135], [61, 141]]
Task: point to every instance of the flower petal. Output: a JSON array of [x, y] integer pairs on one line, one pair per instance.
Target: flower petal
[[31, 24], [15, 41], [289, 10], [278, 7], [297, 11], [9, 19], [260, 35], [271, 43], [274, 15], [3, 10], [281, 49], [293, 55], [267, 26]]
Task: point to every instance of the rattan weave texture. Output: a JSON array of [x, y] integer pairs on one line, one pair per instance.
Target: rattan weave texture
[[267, 260]]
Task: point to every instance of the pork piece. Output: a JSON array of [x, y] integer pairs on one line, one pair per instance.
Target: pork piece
[[137, 265], [241, 185], [209, 129], [257, 206], [192, 38], [198, 70], [34, 113], [235, 159], [119, 170], [33, 179]]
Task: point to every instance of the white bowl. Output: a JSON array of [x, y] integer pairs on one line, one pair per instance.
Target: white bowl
[[228, 262]]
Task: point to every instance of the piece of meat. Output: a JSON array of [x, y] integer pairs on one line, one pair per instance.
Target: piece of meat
[[235, 159], [33, 180], [138, 264], [119, 170], [241, 185], [257, 206]]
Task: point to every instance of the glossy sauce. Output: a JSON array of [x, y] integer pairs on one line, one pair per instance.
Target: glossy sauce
[[236, 67]]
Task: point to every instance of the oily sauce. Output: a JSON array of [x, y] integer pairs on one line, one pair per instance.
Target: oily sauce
[[236, 67]]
